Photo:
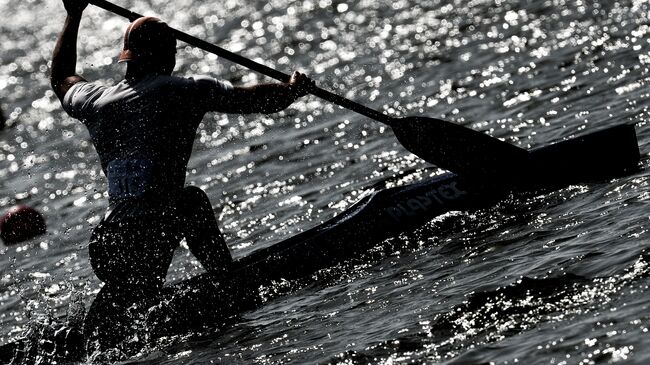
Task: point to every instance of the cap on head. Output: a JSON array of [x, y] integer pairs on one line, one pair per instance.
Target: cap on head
[[145, 37]]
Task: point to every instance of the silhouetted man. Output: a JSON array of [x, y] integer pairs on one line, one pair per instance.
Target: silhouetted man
[[143, 129]]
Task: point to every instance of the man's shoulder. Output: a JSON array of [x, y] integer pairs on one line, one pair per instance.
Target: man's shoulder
[[86, 87], [82, 91]]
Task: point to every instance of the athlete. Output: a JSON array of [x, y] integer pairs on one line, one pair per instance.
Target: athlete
[[143, 129]]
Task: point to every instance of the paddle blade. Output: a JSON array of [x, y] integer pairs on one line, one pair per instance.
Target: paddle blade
[[456, 148]]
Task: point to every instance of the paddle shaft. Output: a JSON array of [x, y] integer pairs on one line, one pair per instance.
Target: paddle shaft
[[255, 66]]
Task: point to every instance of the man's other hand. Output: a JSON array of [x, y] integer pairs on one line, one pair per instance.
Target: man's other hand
[[300, 84]]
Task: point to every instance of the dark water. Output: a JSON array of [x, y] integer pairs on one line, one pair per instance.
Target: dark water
[[553, 278]]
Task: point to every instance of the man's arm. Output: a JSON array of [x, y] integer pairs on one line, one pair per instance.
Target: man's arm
[[64, 59], [265, 98]]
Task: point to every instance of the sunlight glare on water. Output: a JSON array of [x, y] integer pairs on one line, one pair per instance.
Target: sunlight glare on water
[[547, 277]]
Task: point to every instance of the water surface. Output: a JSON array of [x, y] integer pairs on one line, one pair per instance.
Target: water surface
[[557, 277]]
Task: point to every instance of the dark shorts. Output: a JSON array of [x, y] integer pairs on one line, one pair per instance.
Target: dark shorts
[[134, 245]]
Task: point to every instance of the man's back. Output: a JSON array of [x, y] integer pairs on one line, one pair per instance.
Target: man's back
[[147, 126]]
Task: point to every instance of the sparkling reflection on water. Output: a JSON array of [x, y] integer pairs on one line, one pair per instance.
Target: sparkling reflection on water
[[553, 277]]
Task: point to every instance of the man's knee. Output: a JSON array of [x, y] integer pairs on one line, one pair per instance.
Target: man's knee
[[195, 205], [193, 194]]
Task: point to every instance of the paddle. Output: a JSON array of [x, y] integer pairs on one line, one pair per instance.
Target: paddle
[[444, 144]]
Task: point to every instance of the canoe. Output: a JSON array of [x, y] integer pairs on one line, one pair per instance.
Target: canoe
[[603, 154]]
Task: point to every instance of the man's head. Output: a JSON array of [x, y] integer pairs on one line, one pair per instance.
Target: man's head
[[149, 44]]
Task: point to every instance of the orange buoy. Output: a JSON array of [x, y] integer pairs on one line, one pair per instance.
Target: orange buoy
[[21, 223]]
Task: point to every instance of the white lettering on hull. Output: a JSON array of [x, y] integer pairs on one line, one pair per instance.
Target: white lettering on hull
[[419, 204]]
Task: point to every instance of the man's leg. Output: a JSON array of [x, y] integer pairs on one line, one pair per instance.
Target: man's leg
[[130, 253], [202, 232], [118, 319]]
